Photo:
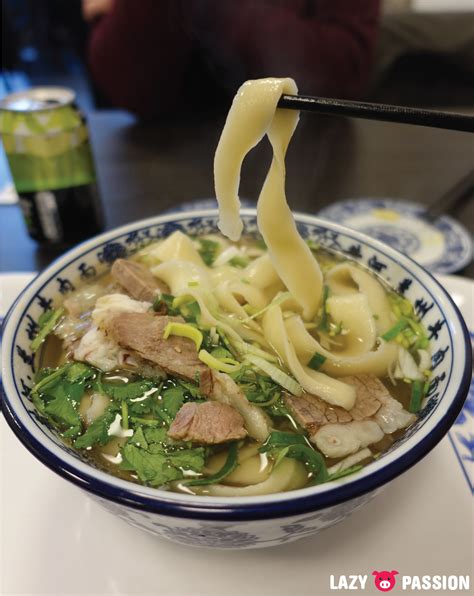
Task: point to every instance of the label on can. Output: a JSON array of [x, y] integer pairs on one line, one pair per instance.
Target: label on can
[[46, 141]]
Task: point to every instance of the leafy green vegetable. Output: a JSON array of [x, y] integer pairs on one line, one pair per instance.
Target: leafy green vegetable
[[97, 432], [127, 391], [282, 439], [208, 250], [239, 261], [313, 461], [58, 393], [287, 444], [65, 416], [346, 472], [317, 361], [278, 408], [171, 401], [417, 394], [47, 322], [231, 463], [258, 389], [156, 463]]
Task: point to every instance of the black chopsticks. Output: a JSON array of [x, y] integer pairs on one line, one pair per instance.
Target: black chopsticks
[[375, 111]]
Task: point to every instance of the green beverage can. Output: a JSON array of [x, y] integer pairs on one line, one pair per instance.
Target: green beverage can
[[47, 144]]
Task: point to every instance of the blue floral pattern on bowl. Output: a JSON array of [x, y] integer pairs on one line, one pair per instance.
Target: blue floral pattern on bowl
[[256, 523], [456, 248]]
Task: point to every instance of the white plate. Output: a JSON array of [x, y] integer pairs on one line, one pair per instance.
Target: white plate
[[55, 541], [443, 246]]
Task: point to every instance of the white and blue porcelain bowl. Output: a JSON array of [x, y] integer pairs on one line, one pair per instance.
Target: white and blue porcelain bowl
[[252, 521]]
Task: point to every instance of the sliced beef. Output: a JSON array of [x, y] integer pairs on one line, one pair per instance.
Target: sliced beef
[[311, 412], [137, 280], [143, 334], [222, 388], [371, 394], [209, 423]]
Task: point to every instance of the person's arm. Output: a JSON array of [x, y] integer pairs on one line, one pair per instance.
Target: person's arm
[[328, 52], [138, 52]]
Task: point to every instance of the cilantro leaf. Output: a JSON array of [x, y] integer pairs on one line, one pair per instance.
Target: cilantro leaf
[[127, 391], [47, 322], [64, 415], [97, 431], [58, 392], [156, 463]]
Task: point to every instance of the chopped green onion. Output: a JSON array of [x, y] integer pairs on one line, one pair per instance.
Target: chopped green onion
[[208, 250], [184, 330], [396, 329], [275, 302], [240, 262], [417, 393], [276, 374], [47, 323], [229, 466], [317, 361], [226, 365], [324, 322]]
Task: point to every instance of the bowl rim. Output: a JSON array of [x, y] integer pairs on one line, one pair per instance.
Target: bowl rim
[[108, 487]]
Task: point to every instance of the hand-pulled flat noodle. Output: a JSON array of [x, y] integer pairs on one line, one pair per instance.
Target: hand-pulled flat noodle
[[229, 302], [179, 247], [261, 272], [178, 275], [252, 296], [375, 362], [253, 468], [354, 313], [253, 113], [331, 390], [347, 279], [289, 474]]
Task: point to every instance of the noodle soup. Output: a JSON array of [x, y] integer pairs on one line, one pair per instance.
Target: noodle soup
[[233, 367], [141, 415]]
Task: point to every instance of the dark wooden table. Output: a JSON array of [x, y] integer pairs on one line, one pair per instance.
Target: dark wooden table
[[146, 168]]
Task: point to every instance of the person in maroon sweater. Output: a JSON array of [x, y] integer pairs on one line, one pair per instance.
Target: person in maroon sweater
[[147, 56]]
